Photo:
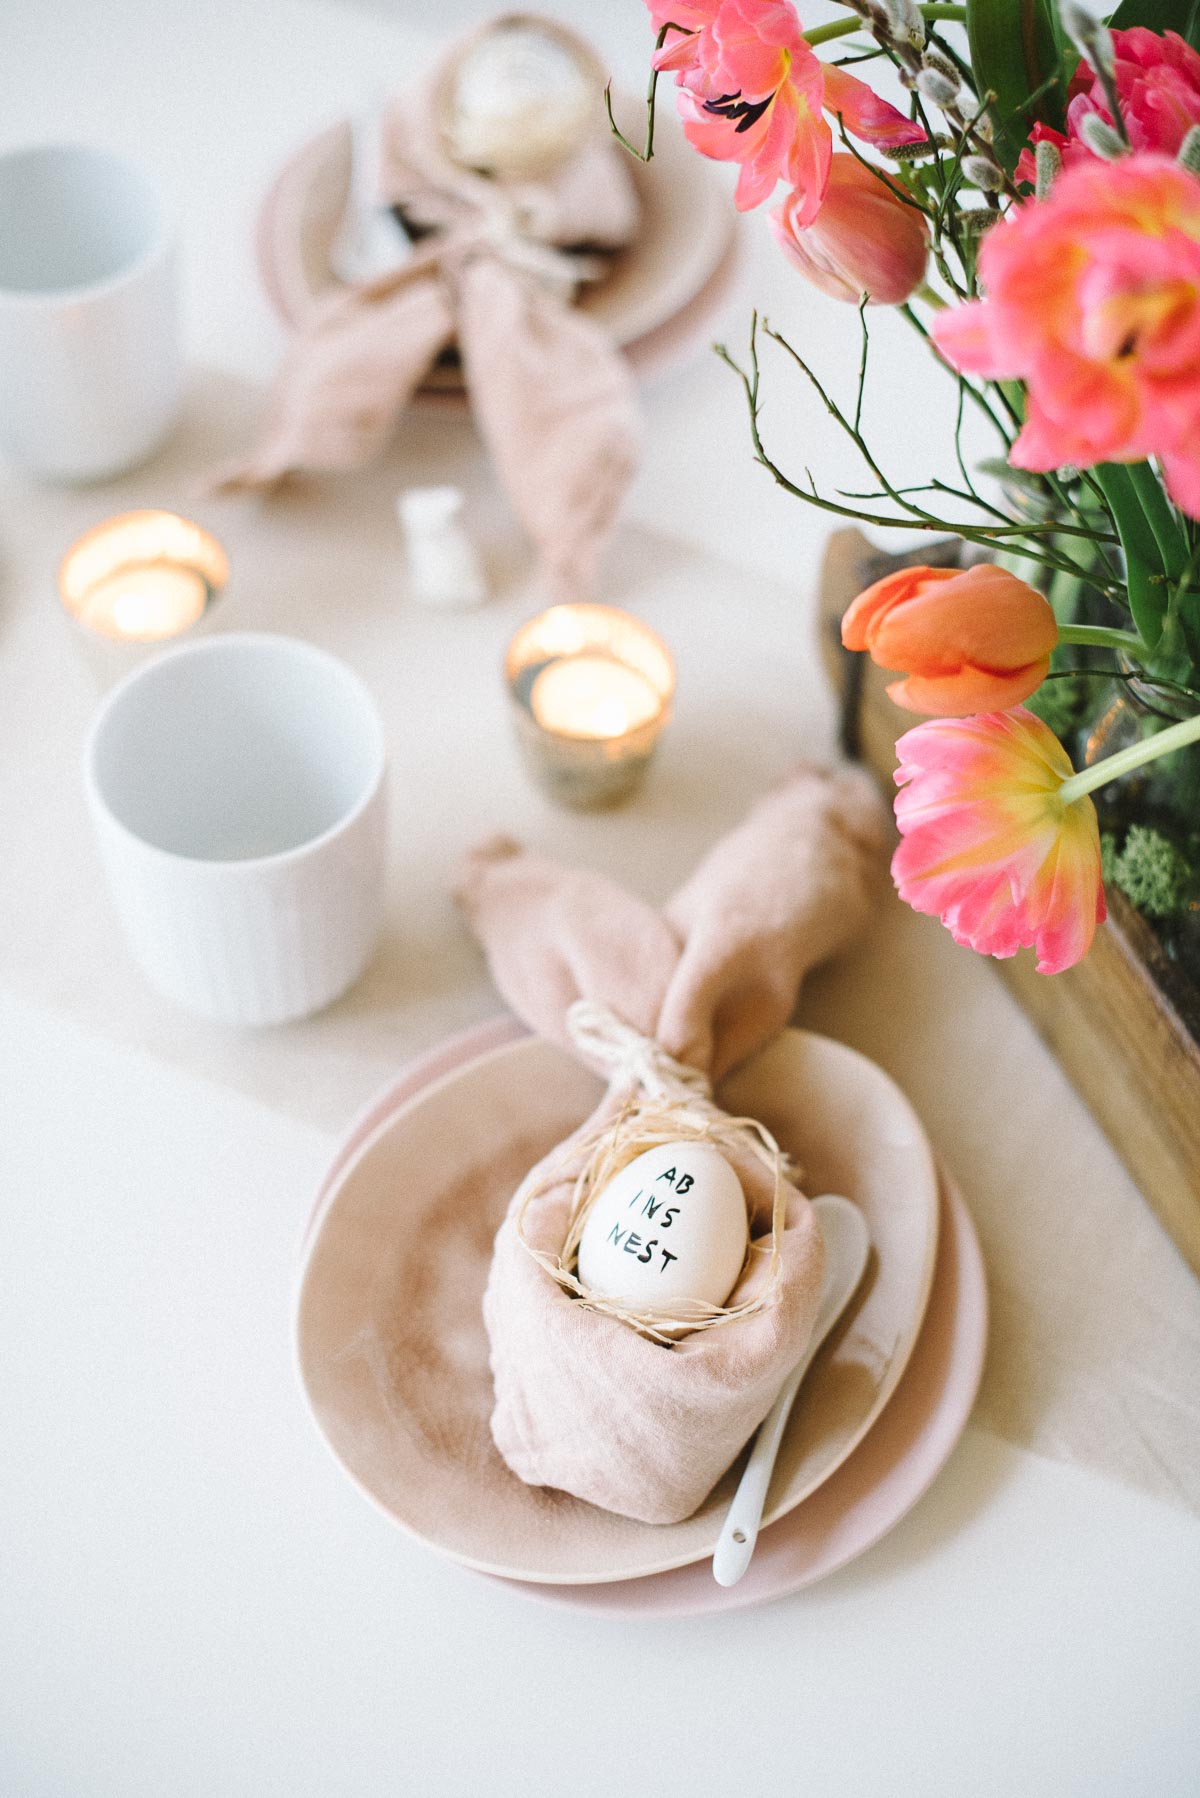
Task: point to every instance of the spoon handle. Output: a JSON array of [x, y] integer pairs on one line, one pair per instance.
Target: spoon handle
[[731, 1557]]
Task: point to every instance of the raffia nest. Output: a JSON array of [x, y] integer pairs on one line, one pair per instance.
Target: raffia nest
[[642, 1122]]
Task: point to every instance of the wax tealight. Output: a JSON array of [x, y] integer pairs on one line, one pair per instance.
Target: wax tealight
[[670, 1227]]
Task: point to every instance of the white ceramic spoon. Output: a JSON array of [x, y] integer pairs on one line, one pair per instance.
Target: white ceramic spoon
[[847, 1245]]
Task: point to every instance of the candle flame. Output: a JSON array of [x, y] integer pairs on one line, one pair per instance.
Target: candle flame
[[592, 696]]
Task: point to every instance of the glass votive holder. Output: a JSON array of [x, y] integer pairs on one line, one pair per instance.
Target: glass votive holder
[[138, 583], [591, 690]]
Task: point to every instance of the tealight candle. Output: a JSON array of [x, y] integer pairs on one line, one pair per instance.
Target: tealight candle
[[592, 696], [591, 688], [139, 581]]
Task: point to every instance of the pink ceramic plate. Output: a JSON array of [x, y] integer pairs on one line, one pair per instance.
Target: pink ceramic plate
[[394, 1358], [879, 1483]]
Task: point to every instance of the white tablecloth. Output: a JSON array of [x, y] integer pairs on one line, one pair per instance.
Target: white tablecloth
[[195, 1601]]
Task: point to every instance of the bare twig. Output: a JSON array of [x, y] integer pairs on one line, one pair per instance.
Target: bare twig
[[1024, 538], [645, 154]]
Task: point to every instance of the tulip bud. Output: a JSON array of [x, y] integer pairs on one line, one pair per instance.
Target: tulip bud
[[976, 640], [865, 239]]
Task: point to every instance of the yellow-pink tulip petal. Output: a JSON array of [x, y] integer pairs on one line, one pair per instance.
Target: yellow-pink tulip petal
[[989, 845]]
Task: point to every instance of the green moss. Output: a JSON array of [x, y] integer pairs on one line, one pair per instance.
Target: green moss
[[1149, 870]]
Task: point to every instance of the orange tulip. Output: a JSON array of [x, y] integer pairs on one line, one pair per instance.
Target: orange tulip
[[975, 640]]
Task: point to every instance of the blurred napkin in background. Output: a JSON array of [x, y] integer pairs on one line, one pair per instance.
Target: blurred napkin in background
[[497, 259]]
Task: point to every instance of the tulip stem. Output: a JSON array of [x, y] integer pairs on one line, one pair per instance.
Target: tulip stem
[[1102, 636], [1164, 742]]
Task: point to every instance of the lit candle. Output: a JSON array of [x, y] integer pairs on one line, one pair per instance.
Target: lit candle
[[591, 688], [592, 696], [136, 581], [145, 603]]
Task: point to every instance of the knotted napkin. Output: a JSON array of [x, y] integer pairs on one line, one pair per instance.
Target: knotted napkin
[[494, 271], [585, 1403]]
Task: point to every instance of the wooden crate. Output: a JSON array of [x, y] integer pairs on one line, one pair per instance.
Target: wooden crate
[[1124, 1022]]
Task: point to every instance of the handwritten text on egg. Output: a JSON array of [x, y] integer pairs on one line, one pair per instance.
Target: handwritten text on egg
[[633, 1244]]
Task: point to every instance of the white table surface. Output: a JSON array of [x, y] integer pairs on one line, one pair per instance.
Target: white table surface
[[193, 1600]]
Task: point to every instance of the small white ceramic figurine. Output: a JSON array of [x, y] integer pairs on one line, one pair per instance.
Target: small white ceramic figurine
[[444, 567]]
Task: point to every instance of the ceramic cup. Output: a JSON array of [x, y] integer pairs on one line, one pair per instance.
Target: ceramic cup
[[90, 365], [236, 785]]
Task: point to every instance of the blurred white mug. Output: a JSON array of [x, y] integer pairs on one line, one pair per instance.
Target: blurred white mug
[[236, 784], [90, 363]]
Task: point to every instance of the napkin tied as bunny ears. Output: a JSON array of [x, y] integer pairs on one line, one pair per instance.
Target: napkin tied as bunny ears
[[583, 1402], [551, 394]]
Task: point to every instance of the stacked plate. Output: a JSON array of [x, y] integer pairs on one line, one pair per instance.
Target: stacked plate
[[394, 1357], [657, 302]]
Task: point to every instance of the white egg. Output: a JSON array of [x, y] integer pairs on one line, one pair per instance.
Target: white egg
[[669, 1227], [522, 101]]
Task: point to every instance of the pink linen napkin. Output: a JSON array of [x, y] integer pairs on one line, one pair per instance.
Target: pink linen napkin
[[550, 392], [583, 1402]]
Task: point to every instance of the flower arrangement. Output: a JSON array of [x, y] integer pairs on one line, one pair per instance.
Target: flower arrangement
[[1035, 216]]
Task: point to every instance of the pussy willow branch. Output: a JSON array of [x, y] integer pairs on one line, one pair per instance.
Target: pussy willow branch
[[966, 72], [910, 59]]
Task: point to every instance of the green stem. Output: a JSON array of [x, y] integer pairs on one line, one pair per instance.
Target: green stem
[[1101, 636], [1165, 742], [823, 34]]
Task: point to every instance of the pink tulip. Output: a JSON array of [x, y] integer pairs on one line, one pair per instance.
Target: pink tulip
[[1093, 300], [864, 239], [1158, 86], [989, 846], [751, 90]]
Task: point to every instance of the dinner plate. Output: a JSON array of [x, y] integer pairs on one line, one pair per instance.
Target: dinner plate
[[874, 1488], [676, 273], [390, 1338]]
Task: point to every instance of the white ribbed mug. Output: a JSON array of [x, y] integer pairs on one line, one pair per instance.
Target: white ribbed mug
[[237, 788]]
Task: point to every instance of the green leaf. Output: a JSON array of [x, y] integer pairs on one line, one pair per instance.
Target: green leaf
[[1160, 516], [1182, 16], [1143, 558], [1017, 51], [1172, 658]]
